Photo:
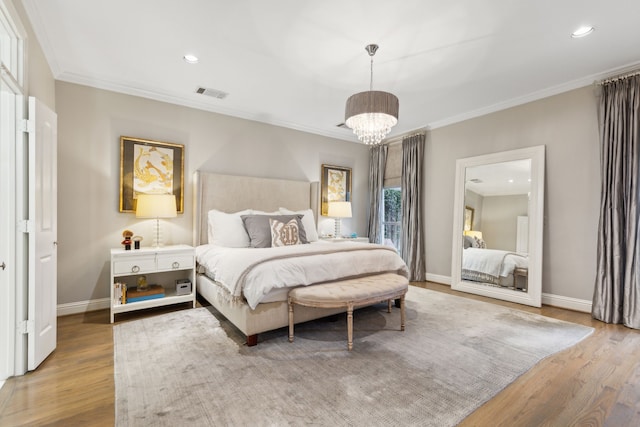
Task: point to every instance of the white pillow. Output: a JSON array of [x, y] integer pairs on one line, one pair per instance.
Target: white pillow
[[227, 229], [255, 212], [308, 222]]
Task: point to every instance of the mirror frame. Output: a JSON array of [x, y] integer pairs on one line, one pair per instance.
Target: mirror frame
[[533, 296]]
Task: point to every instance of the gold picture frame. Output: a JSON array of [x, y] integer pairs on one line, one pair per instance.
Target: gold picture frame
[[150, 167], [335, 186], [468, 218]]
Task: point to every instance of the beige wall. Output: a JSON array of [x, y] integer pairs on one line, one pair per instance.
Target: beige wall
[[90, 123], [500, 219], [567, 125]]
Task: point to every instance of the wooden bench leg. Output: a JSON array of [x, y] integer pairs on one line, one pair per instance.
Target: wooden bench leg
[[402, 318], [350, 326], [290, 320]]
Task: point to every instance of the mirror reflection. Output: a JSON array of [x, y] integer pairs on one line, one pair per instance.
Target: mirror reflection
[[495, 247]]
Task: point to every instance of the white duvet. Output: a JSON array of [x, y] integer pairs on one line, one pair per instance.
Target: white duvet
[[492, 262], [254, 272]]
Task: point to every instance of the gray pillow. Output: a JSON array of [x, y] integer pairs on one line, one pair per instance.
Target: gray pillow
[[259, 229], [467, 242]]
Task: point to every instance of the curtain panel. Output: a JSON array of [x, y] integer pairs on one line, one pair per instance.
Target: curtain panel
[[412, 248], [377, 162], [617, 286]]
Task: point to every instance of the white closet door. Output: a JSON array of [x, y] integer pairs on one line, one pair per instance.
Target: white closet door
[[43, 195]]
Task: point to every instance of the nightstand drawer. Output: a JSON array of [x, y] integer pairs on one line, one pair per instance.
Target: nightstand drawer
[[134, 265], [175, 262]]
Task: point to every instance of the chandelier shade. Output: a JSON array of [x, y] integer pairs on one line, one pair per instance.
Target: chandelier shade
[[372, 114]]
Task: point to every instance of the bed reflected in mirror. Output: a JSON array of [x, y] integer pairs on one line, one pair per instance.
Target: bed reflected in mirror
[[497, 246], [494, 250]]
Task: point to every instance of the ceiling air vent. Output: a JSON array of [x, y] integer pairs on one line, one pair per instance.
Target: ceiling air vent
[[212, 92], [342, 125]]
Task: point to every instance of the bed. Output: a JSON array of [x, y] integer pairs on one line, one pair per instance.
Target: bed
[[495, 267], [249, 285]]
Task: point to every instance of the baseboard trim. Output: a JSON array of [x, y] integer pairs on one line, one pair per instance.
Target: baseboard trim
[[547, 299], [82, 306], [446, 280], [567, 302]]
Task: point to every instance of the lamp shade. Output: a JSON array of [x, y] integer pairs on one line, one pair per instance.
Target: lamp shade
[[156, 206], [339, 209]]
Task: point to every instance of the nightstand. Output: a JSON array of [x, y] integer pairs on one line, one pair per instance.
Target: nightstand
[[345, 239], [162, 266]]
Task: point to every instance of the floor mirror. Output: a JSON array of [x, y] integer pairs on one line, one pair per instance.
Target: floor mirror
[[498, 225]]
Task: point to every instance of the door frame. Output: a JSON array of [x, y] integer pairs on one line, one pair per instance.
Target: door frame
[[13, 283]]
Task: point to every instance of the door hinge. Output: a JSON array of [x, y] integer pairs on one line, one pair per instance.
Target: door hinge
[[25, 226], [26, 327], [27, 125]]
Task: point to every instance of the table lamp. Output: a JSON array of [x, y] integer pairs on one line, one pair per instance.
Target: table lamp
[[156, 206], [339, 210]]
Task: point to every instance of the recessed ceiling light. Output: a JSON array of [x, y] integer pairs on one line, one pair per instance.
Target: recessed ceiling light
[[191, 59], [582, 31]]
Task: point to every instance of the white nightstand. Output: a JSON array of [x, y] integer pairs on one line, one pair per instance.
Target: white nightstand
[[345, 239], [161, 266]]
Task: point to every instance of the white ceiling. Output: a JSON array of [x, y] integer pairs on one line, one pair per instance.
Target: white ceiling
[[294, 63]]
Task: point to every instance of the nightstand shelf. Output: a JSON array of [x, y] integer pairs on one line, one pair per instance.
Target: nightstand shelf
[[161, 266]]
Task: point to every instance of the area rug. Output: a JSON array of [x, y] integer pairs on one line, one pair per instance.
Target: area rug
[[192, 368]]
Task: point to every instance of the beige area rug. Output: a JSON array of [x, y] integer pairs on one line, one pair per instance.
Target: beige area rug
[[190, 368]]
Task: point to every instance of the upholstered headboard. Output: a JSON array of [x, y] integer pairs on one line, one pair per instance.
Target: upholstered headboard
[[230, 193]]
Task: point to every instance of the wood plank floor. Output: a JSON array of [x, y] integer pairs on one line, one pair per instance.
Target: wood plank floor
[[595, 383]]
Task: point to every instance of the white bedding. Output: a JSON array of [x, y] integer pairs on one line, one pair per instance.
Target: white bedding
[[490, 264], [253, 273]]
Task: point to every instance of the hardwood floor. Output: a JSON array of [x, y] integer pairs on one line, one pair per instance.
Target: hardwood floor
[[595, 383]]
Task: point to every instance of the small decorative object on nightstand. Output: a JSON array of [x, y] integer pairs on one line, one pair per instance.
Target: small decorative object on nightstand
[[136, 242], [142, 283], [162, 266], [126, 234]]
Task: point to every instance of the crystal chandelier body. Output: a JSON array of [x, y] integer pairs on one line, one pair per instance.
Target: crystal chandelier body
[[371, 114]]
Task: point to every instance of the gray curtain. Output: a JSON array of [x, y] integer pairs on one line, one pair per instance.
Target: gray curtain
[[377, 163], [412, 240], [616, 296]]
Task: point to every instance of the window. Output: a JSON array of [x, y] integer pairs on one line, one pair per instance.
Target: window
[[392, 216]]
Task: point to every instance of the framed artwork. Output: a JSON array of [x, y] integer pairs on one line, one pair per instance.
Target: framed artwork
[[150, 167], [335, 186], [468, 218]]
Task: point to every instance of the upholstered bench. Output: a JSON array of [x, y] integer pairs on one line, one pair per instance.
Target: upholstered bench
[[351, 293]]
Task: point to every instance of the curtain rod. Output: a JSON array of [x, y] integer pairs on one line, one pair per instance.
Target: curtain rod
[[398, 139], [620, 77]]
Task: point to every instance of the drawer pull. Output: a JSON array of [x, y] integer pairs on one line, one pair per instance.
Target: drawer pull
[[175, 264], [135, 269]]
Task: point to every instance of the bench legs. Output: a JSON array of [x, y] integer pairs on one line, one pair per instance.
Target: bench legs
[[350, 326], [402, 315], [290, 320], [399, 301]]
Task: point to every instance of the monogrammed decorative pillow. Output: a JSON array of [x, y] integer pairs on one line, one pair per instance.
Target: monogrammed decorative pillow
[[284, 234]]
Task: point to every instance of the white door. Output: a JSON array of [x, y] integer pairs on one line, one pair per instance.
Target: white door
[[8, 133], [43, 236]]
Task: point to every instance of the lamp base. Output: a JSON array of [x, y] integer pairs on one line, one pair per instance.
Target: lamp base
[[336, 231], [157, 241]]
